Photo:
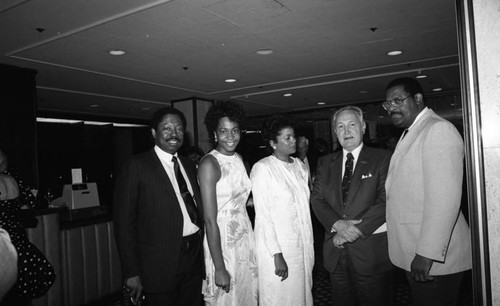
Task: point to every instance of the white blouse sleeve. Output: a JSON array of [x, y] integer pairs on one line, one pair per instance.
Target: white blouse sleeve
[[262, 196]]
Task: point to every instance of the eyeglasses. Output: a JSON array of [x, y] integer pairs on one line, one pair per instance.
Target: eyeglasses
[[397, 102]]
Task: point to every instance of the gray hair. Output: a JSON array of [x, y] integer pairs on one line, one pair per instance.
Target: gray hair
[[352, 108]]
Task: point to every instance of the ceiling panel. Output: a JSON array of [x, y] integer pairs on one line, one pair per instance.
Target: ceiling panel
[[324, 51]]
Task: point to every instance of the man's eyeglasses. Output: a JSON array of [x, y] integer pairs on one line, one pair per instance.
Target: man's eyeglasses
[[397, 102]]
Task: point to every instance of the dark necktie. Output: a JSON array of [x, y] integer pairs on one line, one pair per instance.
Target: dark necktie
[[404, 133], [193, 212], [346, 180]]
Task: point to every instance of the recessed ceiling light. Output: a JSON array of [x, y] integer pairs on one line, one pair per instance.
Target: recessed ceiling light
[[117, 52], [437, 89], [421, 76], [393, 53], [230, 80], [265, 51], [94, 105], [287, 95], [321, 103]]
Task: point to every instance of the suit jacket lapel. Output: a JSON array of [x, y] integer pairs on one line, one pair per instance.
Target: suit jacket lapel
[[191, 176], [336, 168], [402, 146], [160, 171], [193, 180]]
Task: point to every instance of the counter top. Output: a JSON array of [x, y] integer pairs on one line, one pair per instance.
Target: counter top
[[72, 218]]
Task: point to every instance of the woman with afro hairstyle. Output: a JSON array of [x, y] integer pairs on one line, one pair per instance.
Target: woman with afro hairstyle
[[230, 260]]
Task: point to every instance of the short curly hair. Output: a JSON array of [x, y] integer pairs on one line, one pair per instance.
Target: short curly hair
[[220, 110], [273, 125], [162, 112], [410, 85]]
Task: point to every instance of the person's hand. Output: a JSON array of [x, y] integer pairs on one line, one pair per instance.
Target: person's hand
[[420, 267], [339, 241], [281, 269], [133, 286], [347, 230], [222, 279]]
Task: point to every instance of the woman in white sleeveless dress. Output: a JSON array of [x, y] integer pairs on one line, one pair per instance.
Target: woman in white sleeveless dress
[[283, 229], [230, 259]]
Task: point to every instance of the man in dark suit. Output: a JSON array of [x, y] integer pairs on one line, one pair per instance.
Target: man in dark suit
[[349, 200], [158, 226]]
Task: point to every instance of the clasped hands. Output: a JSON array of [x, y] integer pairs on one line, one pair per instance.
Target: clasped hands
[[346, 232]]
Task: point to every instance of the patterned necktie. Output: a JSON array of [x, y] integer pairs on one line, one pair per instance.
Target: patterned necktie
[[193, 212], [346, 180]]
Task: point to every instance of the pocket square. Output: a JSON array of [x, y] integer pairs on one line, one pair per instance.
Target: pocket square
[[366, 176]]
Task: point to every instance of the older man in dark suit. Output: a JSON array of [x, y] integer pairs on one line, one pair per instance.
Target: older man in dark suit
[[158, 219], [349, 200]]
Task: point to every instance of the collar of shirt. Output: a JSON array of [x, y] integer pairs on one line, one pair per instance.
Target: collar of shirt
[[164, 156], [418, 117], [168, 165], [355, 154]]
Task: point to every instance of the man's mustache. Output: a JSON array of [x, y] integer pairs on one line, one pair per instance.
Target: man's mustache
[[173, 138], [395, 113]]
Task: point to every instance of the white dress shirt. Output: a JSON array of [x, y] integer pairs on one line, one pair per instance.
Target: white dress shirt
[[166, 160], [355, 154]]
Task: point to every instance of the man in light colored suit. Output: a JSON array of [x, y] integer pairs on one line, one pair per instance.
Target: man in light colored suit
[[348, 198], [158, 228], [428, 235]]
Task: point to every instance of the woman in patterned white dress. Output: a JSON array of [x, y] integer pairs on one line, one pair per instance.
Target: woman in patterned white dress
[[230, 259], [283, 229]]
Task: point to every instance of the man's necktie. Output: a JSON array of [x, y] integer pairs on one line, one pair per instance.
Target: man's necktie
[[404, 133], [346, 180], [193, 212]]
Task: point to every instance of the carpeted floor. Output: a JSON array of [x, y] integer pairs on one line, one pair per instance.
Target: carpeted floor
[[323, 297], [402, 296], [322, 289]]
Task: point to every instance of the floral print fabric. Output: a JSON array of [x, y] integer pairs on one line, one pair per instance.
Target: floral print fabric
[[237, 239]]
